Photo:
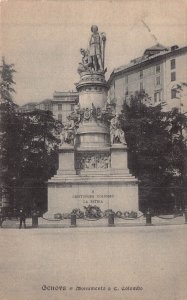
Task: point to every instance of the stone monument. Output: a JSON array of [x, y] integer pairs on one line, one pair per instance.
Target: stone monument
[[93, 152]]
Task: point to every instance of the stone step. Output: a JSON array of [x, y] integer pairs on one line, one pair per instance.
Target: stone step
[[115, 178]]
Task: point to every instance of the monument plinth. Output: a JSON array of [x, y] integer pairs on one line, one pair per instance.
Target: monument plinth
[[93, 153]]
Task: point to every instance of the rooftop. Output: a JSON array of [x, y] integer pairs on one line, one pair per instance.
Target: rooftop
[[64, 94], [30, 104], [45, 101], [156, 51], [156, 48]]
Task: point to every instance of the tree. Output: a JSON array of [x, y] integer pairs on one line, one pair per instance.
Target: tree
[[39, 141], [28, 144], [38, 159], [7, 114], [6, 84], [156, 151]]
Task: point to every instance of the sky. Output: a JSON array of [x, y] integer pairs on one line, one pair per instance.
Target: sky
[[43, 38]]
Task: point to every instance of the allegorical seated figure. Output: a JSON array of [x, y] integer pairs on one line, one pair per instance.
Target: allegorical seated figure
[[75, 116], [86, 64], [117, 135], [68, 133]]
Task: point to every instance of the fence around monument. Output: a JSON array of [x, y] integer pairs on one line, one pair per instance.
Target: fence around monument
[[111, 218]]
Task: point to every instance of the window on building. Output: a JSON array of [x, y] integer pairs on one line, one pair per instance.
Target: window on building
[[141, 86], [158, 69], [141, 74], [173, 64], [157, 97], [158, 80], [173, 76], [47, 107], [59, 107], [60, 117], [126, 79], [72, 107], [173, 93]]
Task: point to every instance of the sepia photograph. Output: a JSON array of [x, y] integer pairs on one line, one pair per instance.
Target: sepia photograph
[[93, 149]]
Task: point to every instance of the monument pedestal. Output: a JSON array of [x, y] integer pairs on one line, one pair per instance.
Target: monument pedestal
[[119, 193], [119, 159], [66, 160], [112, 187]]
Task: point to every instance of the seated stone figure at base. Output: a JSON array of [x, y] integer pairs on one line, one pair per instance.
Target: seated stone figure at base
[[68, 133], [116, 133]]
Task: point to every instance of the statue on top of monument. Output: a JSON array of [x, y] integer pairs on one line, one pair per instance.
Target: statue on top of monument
[[97, 48], [93, 57]]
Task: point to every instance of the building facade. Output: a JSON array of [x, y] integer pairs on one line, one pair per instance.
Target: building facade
[[30, 106], [61, 105], [45, 105], [160, 71]]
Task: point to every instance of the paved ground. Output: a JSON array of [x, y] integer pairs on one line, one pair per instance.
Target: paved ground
[[150, 258]]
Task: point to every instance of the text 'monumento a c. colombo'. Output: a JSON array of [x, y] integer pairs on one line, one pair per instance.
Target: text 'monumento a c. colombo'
[[93, 152]]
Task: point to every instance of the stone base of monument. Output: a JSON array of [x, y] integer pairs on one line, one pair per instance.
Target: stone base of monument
[[111, 188], [119, 193]]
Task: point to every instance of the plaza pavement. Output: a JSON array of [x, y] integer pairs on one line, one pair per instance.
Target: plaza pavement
[[39, 264]]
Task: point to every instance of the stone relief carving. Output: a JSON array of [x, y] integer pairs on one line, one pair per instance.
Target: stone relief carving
[[93, 161], [117, 135], [103, 163], [97, 113], [93, 113], [93, 78], [85, 114], [104, 114]]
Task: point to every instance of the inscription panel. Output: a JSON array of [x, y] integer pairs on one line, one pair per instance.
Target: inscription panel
[[64, 199]]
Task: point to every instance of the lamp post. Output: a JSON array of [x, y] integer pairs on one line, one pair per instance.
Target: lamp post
[[14, 198], [35, 215]]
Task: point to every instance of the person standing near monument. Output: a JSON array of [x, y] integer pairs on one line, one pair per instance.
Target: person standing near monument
[[1, 218], [95, 48], [22, 218]]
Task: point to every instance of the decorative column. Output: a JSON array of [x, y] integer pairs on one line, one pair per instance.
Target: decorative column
[[93, 136], [93, 132]]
